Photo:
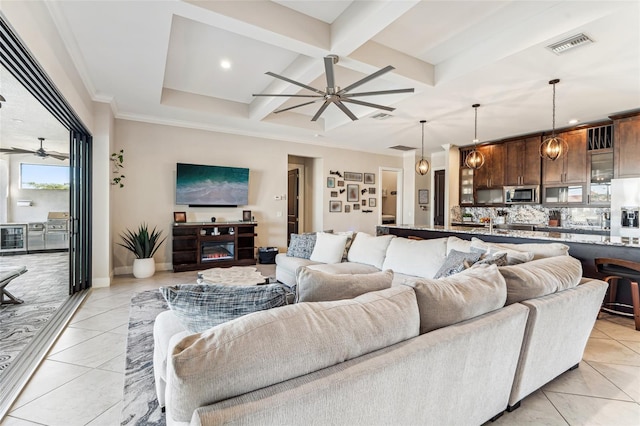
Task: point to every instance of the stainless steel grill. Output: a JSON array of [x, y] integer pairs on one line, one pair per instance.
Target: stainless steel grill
[[57, 232]]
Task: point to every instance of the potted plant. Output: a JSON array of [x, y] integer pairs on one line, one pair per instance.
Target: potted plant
[[467, 217], [143, 244]]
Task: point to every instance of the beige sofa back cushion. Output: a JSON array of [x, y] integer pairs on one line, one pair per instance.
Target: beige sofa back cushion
[[541, 277], [231, 359], [459, 297], [421, 258], [318, 286], [368, 249], [540, 250]]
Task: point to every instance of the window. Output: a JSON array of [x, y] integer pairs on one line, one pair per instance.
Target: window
[[44, 176]]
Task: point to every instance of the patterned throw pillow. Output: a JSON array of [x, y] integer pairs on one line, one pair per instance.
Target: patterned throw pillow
[[200, 306], [499, 259], [455, 262], [301, 245]]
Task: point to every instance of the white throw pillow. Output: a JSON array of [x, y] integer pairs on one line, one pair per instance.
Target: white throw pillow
[[420, 258], [369, 250], [329, 248]]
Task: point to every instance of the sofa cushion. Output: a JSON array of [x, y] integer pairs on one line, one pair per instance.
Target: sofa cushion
[[459, 297], [317, 286], [230, 360], [541, 277], [540, 250], [455, 262], [514, 255], [369, 250], [329, 248], [201, 306], [344, 268], [301, 245], [421, 258]]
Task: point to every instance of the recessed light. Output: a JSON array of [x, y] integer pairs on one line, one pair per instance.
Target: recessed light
[[574, 121], [225, 64]]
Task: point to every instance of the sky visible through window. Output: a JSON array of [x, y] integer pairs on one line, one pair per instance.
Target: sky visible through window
[[44, 176]]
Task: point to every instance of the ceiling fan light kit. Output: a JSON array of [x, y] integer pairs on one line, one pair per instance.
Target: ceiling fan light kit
[[334, 94], [422, 166], [553, 147], [475, 159]]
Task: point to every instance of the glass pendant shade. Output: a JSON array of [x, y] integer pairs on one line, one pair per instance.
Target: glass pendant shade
[[553, 147], [474, 160], [422, 166]]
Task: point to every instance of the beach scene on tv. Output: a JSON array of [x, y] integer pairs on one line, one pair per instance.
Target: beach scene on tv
[[211, 185]]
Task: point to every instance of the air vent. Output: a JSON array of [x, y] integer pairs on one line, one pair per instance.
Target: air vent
[[381, 116], [569, 43], [402, 148]]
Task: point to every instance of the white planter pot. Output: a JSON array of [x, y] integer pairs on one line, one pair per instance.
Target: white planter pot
[[144, 268]]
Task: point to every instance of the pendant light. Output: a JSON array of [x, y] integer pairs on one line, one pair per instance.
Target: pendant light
[[475, 159], [422, 166], [553, 147]]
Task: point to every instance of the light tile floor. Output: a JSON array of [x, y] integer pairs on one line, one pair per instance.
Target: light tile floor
[[80, 382]]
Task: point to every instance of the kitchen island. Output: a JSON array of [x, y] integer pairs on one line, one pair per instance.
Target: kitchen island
[[584, 247]]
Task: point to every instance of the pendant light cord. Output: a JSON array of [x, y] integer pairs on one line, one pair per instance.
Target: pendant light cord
[[553, 120], [422, 139]]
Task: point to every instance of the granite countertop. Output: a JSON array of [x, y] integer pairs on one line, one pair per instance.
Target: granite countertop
[[536, 235]]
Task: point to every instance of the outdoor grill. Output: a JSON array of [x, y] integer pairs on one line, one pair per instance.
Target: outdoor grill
[[57, 230]]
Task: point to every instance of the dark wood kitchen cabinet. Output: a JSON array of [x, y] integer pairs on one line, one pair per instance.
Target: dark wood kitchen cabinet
[[491, 174], [626, 147], [523, 162], [572, 167]]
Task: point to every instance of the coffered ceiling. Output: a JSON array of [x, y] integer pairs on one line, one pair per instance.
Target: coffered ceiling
[[159, 61]]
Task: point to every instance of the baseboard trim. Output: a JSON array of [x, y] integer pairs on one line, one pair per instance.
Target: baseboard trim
[[16, 376]]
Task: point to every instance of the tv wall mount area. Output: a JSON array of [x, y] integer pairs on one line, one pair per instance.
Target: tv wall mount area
[[211, 186]]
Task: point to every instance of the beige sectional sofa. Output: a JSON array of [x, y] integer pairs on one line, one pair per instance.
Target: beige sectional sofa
[[455, 350]]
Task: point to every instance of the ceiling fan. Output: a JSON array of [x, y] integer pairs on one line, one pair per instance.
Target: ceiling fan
[[336, 95], [39, 152]]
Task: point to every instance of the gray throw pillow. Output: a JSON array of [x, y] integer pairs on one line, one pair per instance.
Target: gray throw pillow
[[456, 261], [498, 259], [301, 245], [200, 306]]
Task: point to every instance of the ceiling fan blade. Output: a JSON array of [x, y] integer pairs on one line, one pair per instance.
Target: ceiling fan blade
[[13, 150], [368, 104], [378, 92], [320, 111], [295, 106], [57, 154], [291, 96], [288, 80], [367, 78], [346, 110], [328, 70]]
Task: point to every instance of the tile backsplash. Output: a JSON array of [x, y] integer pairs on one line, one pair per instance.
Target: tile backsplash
[[569, 216]]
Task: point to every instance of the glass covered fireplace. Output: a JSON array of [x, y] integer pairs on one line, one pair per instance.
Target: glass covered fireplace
[[212, 251]]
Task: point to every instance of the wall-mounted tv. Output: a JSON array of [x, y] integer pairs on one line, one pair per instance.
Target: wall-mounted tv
[[211, 186]]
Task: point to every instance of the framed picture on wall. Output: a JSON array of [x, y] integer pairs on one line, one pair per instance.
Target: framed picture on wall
[[340, 183], [331, 182], [372, 191], [335, 206], [353, 193], [347, 208], [356, 206], [372, 202], [364, 203], [334, 194], [352, 176], [423, 196], [369, 178]]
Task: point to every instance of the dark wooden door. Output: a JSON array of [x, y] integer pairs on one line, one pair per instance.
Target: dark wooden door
[[292, 203], [439, 186]]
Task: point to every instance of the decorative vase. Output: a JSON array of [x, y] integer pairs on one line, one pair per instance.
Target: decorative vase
[[144, 268]]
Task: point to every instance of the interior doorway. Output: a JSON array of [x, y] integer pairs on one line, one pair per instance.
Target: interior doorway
[[439, 197], [293, 196], [391, 197]]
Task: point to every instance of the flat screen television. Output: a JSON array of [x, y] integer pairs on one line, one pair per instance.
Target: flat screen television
[[211, 186]]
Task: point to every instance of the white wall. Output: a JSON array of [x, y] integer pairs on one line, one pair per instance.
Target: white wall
[[151, 154]]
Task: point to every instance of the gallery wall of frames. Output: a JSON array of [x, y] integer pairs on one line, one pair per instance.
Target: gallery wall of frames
[[351, 192]]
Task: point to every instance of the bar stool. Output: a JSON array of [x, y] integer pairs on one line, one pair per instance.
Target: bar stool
[[621, 272]]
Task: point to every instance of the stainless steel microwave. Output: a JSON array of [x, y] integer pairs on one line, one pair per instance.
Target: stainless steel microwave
[[529, 194]]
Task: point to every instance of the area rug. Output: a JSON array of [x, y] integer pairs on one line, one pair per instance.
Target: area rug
[[140, 405]]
